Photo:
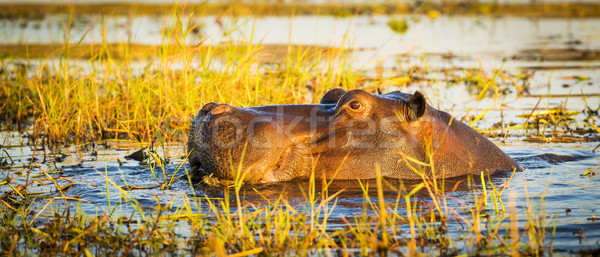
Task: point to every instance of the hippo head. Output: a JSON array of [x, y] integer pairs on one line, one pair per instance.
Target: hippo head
[[343, 136]]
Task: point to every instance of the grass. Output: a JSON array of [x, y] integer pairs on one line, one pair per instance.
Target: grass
[[397, 218], [149, 94], [146, 102]]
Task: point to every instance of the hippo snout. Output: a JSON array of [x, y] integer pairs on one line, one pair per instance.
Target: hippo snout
[[227, 141]]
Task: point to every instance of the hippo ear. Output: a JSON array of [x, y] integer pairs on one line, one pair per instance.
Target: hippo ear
[[332, 96], [416, 106]]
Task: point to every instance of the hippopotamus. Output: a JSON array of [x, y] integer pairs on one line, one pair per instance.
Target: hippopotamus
[[348, 135]]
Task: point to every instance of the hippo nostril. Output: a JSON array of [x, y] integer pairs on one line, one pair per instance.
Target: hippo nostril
[[221, 108], [207, 107]]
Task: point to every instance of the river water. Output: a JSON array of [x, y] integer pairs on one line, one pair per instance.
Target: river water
[[560, 56]]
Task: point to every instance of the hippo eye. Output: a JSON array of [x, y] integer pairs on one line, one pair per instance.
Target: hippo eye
[[355, 105]]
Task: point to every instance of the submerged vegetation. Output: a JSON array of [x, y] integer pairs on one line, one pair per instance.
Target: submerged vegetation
[[87, 94]]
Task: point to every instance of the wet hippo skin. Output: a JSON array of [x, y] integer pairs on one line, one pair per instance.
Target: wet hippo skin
[[343, 137]]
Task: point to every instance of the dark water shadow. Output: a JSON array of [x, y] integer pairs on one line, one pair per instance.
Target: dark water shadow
[[545, 160]]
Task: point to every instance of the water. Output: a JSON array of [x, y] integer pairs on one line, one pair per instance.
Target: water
[[549, 51], [552, 172], [469, 36]]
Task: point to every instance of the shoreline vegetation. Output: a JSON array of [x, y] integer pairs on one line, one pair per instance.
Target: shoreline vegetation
[[528, 9], [132, 91]]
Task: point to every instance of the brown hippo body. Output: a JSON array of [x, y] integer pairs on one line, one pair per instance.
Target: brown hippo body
[[343, 137]]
